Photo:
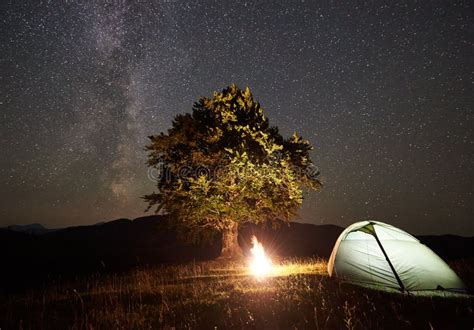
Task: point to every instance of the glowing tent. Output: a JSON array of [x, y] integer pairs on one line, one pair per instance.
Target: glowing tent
[[375, 253]]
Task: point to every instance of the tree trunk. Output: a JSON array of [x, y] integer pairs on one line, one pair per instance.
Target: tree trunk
[[230, 243]]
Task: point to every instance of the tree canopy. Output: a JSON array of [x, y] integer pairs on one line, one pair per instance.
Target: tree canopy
[[224, 164]]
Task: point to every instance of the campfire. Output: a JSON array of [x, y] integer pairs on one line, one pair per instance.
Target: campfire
[[260, 265]]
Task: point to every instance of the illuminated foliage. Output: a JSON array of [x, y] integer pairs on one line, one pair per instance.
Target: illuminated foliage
[[223, 164]]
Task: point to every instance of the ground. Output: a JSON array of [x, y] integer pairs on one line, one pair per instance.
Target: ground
[[223, 295]]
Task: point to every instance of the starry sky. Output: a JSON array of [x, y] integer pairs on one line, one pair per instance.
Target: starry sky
[[383, 90]]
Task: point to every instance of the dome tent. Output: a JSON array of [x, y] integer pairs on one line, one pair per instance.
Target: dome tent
[[378, 254]]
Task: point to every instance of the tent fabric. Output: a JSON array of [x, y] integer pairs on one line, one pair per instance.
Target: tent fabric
[[358, 257]]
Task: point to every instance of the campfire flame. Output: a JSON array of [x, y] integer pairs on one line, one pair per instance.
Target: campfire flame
[[260, 264]]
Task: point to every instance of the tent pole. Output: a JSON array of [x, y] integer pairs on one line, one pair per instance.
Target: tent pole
[[402, 287]]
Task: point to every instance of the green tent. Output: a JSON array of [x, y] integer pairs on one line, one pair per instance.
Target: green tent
[[378, 254]]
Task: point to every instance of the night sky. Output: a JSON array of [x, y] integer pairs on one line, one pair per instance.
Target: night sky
[[383, 91]]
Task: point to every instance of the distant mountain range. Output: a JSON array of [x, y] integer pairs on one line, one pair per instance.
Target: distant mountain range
[[31, 253], [32, 229]]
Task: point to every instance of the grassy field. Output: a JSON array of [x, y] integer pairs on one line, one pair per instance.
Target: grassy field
[[299, 295]]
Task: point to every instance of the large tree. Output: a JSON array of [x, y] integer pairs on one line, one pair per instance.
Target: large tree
[[223, 164]]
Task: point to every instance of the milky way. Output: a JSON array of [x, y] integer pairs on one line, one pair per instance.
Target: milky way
[[383, 91]]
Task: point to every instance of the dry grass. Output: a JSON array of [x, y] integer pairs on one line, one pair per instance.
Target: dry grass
[[215, 294]]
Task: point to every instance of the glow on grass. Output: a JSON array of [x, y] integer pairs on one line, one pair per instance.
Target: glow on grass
[[260, 265]]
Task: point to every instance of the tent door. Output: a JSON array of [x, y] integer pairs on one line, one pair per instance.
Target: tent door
[[369, 229], [402, 287]]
